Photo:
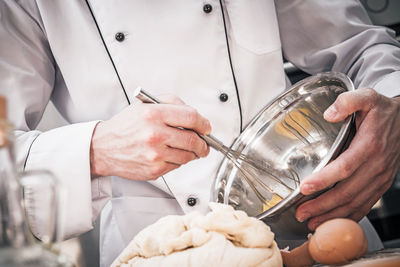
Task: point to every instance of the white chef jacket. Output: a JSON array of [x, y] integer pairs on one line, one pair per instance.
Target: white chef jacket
[[67, 52]]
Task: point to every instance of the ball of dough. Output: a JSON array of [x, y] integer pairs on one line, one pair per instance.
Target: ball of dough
[[223, 237]]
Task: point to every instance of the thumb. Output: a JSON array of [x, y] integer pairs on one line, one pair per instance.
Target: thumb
[[350, 102]]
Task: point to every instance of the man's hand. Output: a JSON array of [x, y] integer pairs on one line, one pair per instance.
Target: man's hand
[[142, 141], [366, 169]]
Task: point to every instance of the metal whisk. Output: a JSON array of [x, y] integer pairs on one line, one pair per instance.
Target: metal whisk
[[241, 161]]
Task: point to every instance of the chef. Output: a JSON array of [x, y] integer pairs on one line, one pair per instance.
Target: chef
[[216, 63]]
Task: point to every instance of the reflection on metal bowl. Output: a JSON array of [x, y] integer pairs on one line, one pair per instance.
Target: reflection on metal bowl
[[291, 136]]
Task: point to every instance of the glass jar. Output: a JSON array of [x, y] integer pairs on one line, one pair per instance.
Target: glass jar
[[18, 246]]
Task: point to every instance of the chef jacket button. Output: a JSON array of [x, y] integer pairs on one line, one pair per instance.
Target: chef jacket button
[[207, 8], [119, 36], [223, 97], [191, 201]]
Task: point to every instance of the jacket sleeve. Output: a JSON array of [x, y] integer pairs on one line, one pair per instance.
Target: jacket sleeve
[[338, 36], [28, 75]]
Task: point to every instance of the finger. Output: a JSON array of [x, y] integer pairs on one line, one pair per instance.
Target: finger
[[178, 156], [342, 193], [353, 204], [340, 212], [186, 117], [350, 102], [367, 206], [355, 190], [188, 141], [344, 212], [340, 168]]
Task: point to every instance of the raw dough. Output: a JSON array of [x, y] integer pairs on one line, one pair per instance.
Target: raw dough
[[223, 237]]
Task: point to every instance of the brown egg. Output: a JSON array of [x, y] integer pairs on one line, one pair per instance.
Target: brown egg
[[337, 241]]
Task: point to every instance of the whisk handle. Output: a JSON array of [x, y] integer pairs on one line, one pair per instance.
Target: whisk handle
[[143, 96], [214, 143], [209, 139]]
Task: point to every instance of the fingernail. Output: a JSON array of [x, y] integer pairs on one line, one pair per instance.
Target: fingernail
[[330, 113], [303, 216], [307, 189]]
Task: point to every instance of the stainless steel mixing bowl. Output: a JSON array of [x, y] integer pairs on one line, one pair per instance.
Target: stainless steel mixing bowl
[[290, 135]]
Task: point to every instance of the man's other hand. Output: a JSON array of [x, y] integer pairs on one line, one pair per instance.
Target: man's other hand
[[363, 172]]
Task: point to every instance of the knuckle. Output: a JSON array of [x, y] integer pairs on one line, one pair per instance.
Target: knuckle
[[369, 92], [188, 157], [157, 170], [154, 156], [192, 115], [154, 137], [205, 148], [314, 207], [322, 184], [342, 99], [372, 96], [376, 145], [380, 167], [151, 114], [372, 142], [379, 145], [346, 197], [153, 172], [353, 205], [373, 147], [346, 169], [192, 141]]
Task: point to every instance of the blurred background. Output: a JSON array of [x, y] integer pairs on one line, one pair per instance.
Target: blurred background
[[385, 215]]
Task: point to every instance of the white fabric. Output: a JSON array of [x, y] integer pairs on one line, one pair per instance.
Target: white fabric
[[51, 50]]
